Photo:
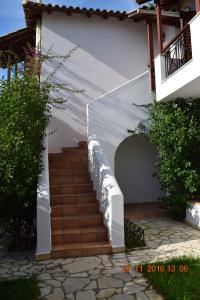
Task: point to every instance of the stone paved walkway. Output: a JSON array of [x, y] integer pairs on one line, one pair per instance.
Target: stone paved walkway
[[164, 231], [101, 277]]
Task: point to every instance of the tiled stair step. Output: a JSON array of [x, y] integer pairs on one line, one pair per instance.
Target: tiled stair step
[[68, 156], [74, 199], [71, 188], [68, 165], [68, 171], [74, 151], [75, 209], [79, 235], [76, 221], [147, 214], [80, 249], [61, 179]]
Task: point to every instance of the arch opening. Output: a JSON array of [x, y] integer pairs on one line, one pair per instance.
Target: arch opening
[[134, 166]]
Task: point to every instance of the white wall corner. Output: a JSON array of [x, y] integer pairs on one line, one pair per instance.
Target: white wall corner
[[43, 207], [193, 214]]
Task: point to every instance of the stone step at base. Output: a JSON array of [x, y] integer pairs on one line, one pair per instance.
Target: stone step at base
[[79, 235], [80, 249]]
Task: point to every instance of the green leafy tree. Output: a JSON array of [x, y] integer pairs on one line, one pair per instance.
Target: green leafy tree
[[25, 111], [174, 129]]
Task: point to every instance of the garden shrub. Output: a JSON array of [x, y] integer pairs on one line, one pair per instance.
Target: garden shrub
[[25, 111], [174, 129]]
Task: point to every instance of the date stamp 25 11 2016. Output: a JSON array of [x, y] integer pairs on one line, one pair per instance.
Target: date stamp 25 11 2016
[[151, 268]]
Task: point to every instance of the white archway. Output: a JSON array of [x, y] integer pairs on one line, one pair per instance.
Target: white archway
[[134, 165]]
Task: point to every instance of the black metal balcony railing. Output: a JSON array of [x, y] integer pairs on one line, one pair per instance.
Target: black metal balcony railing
[[178, 52]]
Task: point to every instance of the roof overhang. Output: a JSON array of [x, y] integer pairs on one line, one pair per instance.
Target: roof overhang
[[16, 42], [168, 17], [34, 10], [164, 2]]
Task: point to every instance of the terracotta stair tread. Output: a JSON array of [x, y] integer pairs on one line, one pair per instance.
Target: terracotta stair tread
[[76, 194], [63, 176], [97, 244], [73, 198], [77, 217], [74, 205], [79, 230], [70, 180], [76, 209], [57, 189], [71, 184], [68, 171]]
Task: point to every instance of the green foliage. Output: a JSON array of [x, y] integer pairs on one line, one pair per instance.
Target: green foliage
[[18, 289], [25, 111], [175, 131]]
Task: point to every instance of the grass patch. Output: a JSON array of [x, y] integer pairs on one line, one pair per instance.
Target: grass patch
[[176, 279], [18, 289]]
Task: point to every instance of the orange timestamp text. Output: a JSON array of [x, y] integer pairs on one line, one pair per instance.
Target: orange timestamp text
[[151, 268]]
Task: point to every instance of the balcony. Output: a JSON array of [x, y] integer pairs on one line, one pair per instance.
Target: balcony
[[177, 68]]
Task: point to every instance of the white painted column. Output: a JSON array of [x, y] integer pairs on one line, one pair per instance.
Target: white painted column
[[43, 209]]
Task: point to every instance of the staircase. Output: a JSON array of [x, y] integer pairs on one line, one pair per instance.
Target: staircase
[[76, 223]]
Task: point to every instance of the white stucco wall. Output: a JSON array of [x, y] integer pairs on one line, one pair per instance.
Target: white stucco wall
[[110, 53], [193, 214], [110, 116]]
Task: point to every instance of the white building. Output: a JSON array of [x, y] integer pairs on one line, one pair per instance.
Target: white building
[[114, 66]]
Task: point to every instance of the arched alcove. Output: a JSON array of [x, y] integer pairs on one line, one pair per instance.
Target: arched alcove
[[134, 166]]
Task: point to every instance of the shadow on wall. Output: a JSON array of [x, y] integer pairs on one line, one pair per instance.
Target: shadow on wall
[[100, 40], [135, 161], [70, 122], [63, 133], [110, 116]]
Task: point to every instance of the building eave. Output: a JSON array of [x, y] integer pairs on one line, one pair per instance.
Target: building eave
[[33, 11], [16, 42]]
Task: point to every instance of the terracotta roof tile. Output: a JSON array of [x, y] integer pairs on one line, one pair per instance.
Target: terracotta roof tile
[[34, 10]]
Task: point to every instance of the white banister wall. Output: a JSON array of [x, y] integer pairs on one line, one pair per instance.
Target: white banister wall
[[108, 192], [43, 209], [185, 81]]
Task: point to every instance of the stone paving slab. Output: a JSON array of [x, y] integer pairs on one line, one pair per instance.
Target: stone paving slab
[[165, 231], [102, 277]]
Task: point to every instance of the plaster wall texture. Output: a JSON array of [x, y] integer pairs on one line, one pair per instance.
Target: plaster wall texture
[[110, 53], [43, 194], [109, 118]]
